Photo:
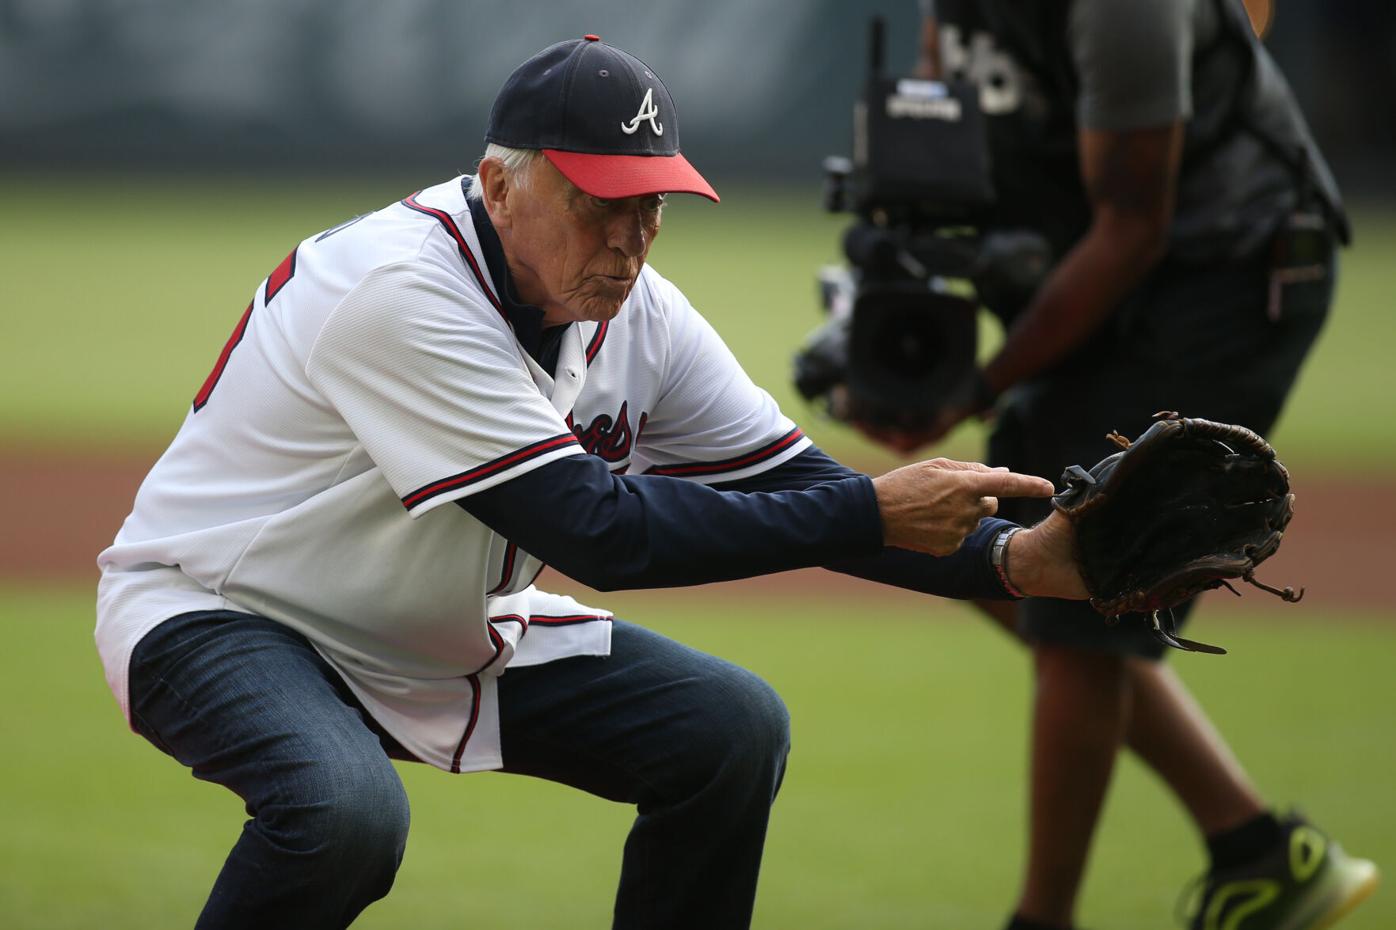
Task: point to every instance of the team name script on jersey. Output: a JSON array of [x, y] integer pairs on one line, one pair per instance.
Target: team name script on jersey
[[611, 438]]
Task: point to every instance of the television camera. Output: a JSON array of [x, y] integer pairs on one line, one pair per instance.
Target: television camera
[[902, 331]]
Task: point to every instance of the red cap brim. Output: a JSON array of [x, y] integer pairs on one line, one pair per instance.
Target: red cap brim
[[615, 176]]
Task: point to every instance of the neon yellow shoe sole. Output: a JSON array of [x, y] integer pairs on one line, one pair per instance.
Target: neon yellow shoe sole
[[1348, 883]]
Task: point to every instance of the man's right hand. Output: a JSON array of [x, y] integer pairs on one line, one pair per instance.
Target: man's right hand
[[932, 506]]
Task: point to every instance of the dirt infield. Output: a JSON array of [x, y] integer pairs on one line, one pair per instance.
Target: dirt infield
[[62, 507]]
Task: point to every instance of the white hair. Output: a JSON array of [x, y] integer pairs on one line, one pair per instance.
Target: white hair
[[513, 162]]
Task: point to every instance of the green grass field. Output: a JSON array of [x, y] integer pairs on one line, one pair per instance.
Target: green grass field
[[120, 293], [904, 804], [902, 807]]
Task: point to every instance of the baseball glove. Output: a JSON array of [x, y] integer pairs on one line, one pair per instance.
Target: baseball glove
[[1186, 507]]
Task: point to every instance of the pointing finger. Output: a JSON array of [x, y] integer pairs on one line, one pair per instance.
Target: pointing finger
[[1009, 484]]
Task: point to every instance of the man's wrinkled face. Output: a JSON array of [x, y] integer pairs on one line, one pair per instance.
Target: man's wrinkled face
[[574, 255]]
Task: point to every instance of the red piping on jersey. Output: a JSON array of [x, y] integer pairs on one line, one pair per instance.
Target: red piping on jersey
[[280, 275], [481, 472], [508, 571], [211, 381], [726, 465], [470, 725], [520, 619], [597, 338], [444, 218], [567, 620], [545, 620], [496, 640]]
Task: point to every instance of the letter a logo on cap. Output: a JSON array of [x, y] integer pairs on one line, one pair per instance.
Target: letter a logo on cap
[[648, 111]]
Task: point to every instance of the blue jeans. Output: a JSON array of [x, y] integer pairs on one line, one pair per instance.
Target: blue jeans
[[697, 744]]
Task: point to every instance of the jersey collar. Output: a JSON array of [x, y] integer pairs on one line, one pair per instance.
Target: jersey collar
[[526, 319]]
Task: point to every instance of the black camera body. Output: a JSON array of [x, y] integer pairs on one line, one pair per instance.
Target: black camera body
[[902, 333]]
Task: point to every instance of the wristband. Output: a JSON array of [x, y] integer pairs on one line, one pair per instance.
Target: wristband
[[998, 558]]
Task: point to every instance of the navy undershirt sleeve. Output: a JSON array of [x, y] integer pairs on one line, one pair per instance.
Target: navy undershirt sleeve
[[964, 575], [621, 531], [615, 532]]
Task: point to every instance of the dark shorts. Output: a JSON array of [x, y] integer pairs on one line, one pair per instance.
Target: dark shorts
[[1201, 341]]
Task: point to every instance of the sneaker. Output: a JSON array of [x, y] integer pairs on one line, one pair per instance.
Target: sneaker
[[1306, 883]]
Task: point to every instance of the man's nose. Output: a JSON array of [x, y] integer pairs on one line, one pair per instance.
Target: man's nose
[[626, 234]]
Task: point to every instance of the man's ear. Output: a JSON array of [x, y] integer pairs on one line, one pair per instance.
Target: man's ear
[[495, 190]]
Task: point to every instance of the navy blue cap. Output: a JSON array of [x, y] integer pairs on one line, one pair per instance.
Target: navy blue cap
[[601, 116]]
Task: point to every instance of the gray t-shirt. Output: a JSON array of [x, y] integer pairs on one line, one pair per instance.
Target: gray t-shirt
[[1047, 69], [1134, 60]]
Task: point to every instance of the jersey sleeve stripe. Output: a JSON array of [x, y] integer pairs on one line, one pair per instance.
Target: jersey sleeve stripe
[[705, 469], [280, 275], [481, 472], [444, 218], [211, 381], [520, 619], [470, 724], [569, 620]]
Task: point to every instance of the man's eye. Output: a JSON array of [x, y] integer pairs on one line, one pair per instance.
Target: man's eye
[[653, 204], [600, 202]]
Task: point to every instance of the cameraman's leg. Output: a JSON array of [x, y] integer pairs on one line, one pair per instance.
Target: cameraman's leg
[[1093, 679], [1217, 348], [1203, 344], [696, 743], [1081, 701], [1095, 693], [248, 704], [1170, 732], [1080, 712]]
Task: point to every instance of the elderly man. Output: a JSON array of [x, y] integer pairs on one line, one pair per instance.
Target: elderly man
[[291, 602]]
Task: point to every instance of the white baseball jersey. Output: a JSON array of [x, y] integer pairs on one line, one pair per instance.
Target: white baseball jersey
[[373, 379]]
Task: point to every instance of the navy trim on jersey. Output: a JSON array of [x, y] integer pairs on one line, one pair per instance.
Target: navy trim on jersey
[[481, 472], [703, 469], [444, 218], [526, 319], [341, 227], [597, 338], [470, 724]]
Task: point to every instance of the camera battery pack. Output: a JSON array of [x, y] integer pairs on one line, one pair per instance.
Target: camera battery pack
[[923, 143]]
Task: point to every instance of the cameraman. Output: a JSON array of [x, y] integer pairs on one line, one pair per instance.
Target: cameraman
[[1158, 149]]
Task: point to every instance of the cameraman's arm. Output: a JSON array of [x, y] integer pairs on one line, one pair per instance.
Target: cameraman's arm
[[1134, 64], [1131, 178]]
